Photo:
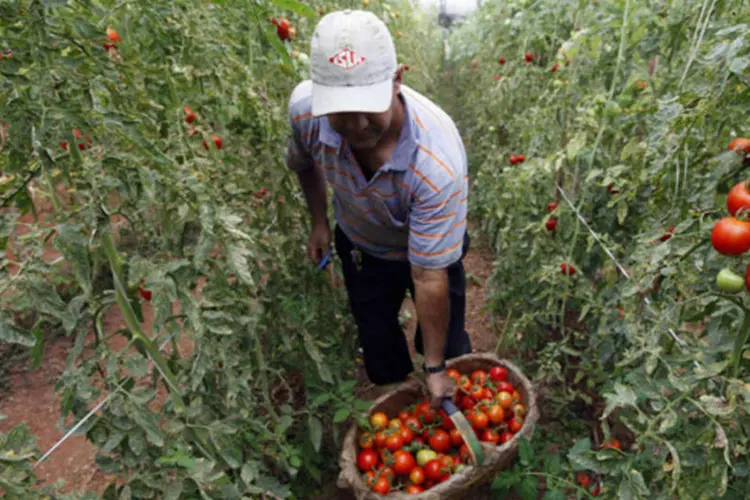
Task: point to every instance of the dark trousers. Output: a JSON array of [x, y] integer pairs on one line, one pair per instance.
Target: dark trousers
[[376, 292]]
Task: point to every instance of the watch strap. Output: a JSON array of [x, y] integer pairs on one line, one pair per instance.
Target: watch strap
[[434, 369]]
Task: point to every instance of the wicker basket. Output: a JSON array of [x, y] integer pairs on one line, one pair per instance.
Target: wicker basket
[[472, 481]]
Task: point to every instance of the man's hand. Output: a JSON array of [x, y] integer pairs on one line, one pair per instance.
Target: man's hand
[[440, 386], [319, 242]]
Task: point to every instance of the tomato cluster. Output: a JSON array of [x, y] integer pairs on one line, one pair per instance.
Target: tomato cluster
[[420, 447], [730, 235]]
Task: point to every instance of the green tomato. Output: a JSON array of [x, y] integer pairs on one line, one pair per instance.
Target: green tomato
[[424, 456], [729, 282]]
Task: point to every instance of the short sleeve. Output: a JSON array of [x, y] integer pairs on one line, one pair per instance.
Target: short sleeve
[[437, 225], [298, 157]]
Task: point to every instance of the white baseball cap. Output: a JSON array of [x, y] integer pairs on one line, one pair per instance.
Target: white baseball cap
[[352, 64]]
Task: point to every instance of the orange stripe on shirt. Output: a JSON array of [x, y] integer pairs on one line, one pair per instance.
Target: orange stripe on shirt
[[419, 122], [401, 183], [438, 160], [301, 117], [436, 254], [382, 194], [432, 236], [424, 179], [340, 172], [442, 203], [438, 219]]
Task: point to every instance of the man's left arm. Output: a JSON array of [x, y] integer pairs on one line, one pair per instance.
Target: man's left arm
[[436, 230]]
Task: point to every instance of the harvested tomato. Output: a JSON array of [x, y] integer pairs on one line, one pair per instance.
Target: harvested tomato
[[413, 423], [668, 235], [551, 206], [416, 475], [479, 377], [498, 374], [504, 399], [467, 402], [414, 489], [477, 392], [489, 394], [189, 115], [504, 386], [407, 435], [381, 486], [113, 36], [515, 424], [516, 397], [434, 470], [501, 60], [403, 462], [505, 437], [454, 374], [740, 145], [425, 412], [519, 410], [738, 199], [367, 460], [550, 224], [570, 270], [490, 436], [446, 421], [386, 472], [369, 478], [379, 420], [479, 420], [464, 383], [366, 441], [456, 438], [464, 453], [583, 479], [394, 423], [528, 57], [440, 441], [424, 456], [380, 438], [394, 442], [496, 414], [612, 443], [731, 236]]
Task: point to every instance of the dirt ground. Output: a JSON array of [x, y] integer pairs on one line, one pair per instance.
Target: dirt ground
[[32, 398]]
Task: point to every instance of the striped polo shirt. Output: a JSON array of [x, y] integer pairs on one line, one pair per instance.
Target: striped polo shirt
[[414, 207]]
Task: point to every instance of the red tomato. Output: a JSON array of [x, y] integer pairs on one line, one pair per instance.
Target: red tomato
[[77, 133], [413, 423], [665, 237], [564, 269], [407, 435], [113, 36], [367, 460], [454, 374], [447, 423], [550, 224], [189, 115], [520, 158], [394, 442], [419, 440], [465, 383], [382, 486], [434, 470], [414, 489], [146, 294], [217, 141], [612, 443], [505, 400], [479, 377], [282, 28], [394, 423], [738, 200], [403, 415], [551, 206], [468, 403], [463, 452], [555, 66], [513, 160], [403, 462], [595, 492], [369, 478], [64, 145], [379, 420], [440, 441], [386, 472], [740, 145], [515, 424], [429, 483], [501, 60], [477, 392], [583, 479], [498, 374], [479, 420], [488, 394], [496, 414], [528, 57], [504, 387], [490, 436], [416, 475], [731, 236], [425, 412], [456, 439], [380, 438], [505, 437]]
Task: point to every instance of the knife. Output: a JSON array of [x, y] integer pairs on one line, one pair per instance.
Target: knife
[[463, 426]]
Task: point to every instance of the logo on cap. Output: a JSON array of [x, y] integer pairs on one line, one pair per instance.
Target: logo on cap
[[346, 59]]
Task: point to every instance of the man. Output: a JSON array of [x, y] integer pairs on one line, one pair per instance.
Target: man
[[398, 170]]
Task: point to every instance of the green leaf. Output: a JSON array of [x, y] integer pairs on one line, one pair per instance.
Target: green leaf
[[174, 490], [575, 145], [136, 364], [249, 472], [525, 452], [622, 398], [554, 494], [622, 211], [13, 335], [530, 488], [137, 443], [113, 441], [320, 399], [297, 7], [316, 432], [341, 415], [715, 406]]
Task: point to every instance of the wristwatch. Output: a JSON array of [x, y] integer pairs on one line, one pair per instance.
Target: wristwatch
[[434, 369]]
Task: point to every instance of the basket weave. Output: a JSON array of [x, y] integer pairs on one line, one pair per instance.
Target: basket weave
[[472, 481]]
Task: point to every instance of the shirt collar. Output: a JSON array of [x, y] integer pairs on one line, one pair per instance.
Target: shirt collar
[[407, 142]]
